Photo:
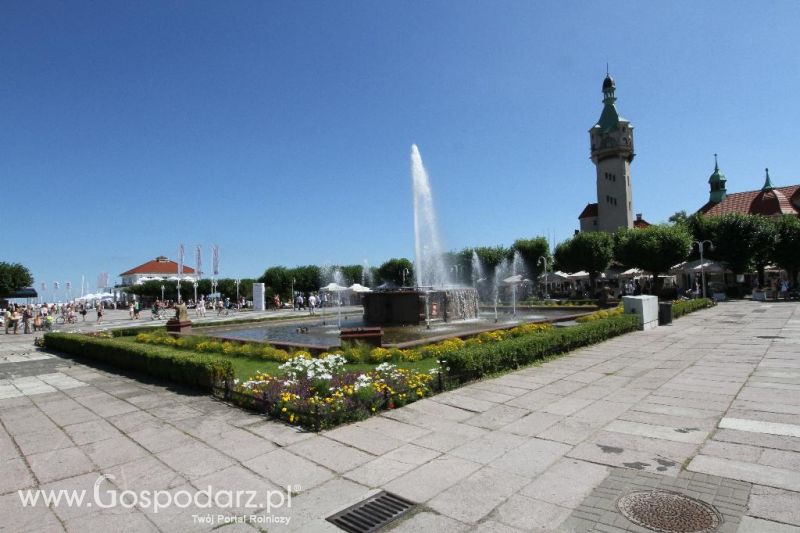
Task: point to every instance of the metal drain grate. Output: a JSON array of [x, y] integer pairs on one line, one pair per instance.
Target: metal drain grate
[[372, 513], [668, 512], [768, 337]]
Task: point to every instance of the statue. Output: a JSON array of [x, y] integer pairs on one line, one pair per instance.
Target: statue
[[180, 323]]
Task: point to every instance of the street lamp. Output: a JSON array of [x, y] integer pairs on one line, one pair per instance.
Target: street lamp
[[701, 246], [162, 292], [543, 259], [293, 280], [194, 284], [178, 285], [238, 281]]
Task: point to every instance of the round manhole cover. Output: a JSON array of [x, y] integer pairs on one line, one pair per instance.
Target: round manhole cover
[[668, 512]]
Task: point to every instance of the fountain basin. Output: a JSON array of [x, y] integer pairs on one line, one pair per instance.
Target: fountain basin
[[414, 307]]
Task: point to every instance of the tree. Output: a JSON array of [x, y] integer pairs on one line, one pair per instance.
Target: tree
[[654, 249], [743, 242], [680, 218], [531, 250], [786, 251], [392, 271], [278, 280], [591, 251], [13, 276], [352, 274]]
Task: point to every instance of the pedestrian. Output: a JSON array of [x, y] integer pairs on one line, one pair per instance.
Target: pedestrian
[[136, 309], [82, 311], [130, 310], [99, 312], [7, 318], [785, 289], [312, 303]]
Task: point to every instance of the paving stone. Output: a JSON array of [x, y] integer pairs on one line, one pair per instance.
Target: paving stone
[[114, 451], [412, 454], [42, 441], [531, 458], [497, 417], [279, 433], [689, 434], [775, 504], [194, 460], [489, 447], [92, 431], [59, 464], [528, 514], [27, 519], [365, 439], [758, 525], [132, 521], [147, 473], [566, 483], [285, 468], [450, 436], [330, 454], [532, 424], [763, 475], [379, 471], [14, 475], [428, 480], [473, 498], [426, 522], [758, 426]]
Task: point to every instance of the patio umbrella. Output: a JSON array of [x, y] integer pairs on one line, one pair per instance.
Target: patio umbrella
[[333, 287], [357, 287], [513, 279]]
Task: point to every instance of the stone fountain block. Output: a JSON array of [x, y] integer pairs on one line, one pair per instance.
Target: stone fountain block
[[177, 327], [371, 336], [646, 306]]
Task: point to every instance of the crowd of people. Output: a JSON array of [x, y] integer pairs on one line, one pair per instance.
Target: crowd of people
[[31, 318]]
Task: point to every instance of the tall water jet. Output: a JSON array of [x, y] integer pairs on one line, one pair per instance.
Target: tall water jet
[[429, 267]]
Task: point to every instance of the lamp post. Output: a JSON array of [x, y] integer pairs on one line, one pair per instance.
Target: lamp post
[[178, 286], [238, 281], [162, 292], [701, 246], [405, 273], [293, 280], [194, 284], [543, 259]]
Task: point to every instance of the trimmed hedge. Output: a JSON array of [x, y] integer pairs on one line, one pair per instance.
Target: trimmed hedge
[[194, 370], [683, 307], [475, 361]]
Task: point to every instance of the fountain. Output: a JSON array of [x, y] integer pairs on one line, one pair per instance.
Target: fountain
[[434, 297]]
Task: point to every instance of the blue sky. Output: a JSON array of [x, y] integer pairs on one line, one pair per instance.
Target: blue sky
[[281, 130]]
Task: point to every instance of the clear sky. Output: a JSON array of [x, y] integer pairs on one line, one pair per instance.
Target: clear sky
[[281, 131]]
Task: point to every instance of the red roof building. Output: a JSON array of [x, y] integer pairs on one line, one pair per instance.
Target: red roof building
[[768, 201], [159, 268]]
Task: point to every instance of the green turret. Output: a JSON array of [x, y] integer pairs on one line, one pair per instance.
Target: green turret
[[717, 182], [767, 183]]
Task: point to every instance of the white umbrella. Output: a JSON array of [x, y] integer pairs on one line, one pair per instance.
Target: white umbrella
[[631, 272], [513, 279], [579, 275], [333, 287], [357, 287]]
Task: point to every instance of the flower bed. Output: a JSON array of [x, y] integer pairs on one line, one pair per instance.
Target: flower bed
[[683, 307], [352, 352], [320, 393]]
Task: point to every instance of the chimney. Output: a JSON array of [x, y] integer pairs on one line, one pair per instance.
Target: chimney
[[638, 217]]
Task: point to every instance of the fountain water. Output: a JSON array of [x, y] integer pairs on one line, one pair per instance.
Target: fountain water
[[434, 297], [429, 267]]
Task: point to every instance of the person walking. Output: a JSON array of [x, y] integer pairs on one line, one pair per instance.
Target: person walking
[[312, 304], [99, 312], [82, 311]]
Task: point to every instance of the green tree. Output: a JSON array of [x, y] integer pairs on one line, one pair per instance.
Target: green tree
[[277, 280], [680, 218], [392, 271], [591, 251], [654, 249], [531, 250], [13, 276], [352, 273], [786, 251], [743, 242]]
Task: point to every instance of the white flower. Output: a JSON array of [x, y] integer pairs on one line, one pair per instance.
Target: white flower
[[362, 381]]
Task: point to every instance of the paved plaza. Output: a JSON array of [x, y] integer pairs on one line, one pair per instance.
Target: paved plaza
[[708, 407]]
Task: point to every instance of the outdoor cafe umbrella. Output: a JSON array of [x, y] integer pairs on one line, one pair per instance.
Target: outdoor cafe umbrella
[[357, 287]]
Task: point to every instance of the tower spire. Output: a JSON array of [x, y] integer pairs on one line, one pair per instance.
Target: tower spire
[[767, 183], [716, 181]]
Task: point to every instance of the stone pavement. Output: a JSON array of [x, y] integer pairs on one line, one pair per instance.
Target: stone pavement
[[707, 407]]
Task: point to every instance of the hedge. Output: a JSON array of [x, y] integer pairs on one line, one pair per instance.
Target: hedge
[[683, 307], [475, 361], [194, 370]]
